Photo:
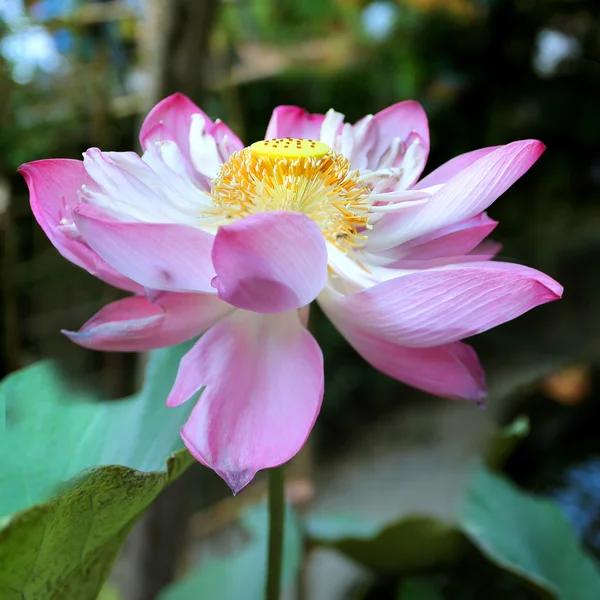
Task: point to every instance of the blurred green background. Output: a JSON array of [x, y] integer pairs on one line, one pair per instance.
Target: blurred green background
[[76, 74]]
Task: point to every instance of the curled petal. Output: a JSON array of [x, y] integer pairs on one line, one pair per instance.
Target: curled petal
[[160, 256], [295, 122], [53, 188], [270, 262], [135, 324], [264, 384], [171, 120], [436, 307], [450, 371], [174, 116], [399, 121]]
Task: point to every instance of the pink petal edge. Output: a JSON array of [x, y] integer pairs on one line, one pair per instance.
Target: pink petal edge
[[270, 262], [264, 385]]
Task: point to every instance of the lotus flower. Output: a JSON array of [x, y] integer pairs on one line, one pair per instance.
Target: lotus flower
[[211, 236]]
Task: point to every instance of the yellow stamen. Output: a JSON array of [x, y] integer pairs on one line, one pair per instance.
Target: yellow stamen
[[299, 175]]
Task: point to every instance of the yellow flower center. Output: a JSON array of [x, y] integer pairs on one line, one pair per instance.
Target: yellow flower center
[[299, 175]]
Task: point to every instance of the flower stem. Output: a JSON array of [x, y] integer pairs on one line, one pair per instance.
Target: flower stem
[[276, 530]]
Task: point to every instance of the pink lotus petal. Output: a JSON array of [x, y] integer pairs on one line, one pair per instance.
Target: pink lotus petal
[[161, 256], [455, 165], [226, 139], [295, 122], [399, 121], [436, 307], [472, 190], [487, 253], [264, 384], [53, 188], [270, 262], [466, 195], [135, 324], [174, 115], [453, 240], [450, 371]]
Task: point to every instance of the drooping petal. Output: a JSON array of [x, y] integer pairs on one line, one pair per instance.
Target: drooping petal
[[455, 165], [436, 307], [295, 122], [160, 256], [53, 188], [399, 121], [264, 384], [135, 324], [451, 371], [270, 262], [467, 194]]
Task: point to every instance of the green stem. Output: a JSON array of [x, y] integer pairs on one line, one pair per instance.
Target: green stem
[[276, 527]]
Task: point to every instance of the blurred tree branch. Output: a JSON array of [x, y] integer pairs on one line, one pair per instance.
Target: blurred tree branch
[[175, 46]]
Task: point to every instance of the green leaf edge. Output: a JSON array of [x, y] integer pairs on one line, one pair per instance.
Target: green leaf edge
[[24, 520]]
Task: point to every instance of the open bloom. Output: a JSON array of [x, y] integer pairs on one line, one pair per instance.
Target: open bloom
[[209, 235]]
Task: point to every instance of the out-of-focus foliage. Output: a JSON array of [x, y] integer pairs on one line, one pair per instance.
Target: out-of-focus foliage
[[244, 574], [513, 530], [77, 474]]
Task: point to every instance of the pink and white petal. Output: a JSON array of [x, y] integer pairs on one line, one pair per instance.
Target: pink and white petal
[[472, 190], [135, 324], [174, 114], [453, 240], [399, 121], [295, 122], [450, 371], [455, 165], [467, 194], [264, 385], [445, 261], [270, 262], [227, 141], [53, 189], [356, 141], [436, 307], [160, 256]]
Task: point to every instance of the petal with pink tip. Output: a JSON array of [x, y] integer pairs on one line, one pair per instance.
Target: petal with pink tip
[[399, 121], [264, 385], [135, 324], [174, 115], [227, 141], [451, 371], [473, 189], [161, 256], [270, 262], [295, 122], [452, 167], [467, 194], [53, 187], [436, 307]]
